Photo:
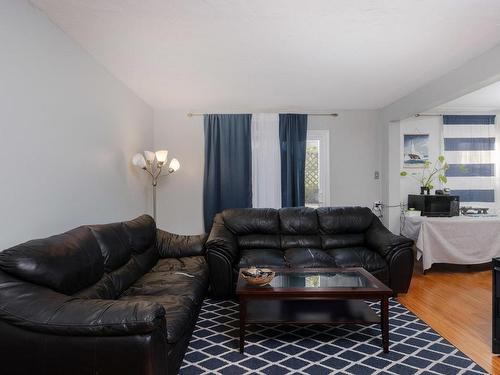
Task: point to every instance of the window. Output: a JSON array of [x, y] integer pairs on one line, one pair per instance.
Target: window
[[317, 177], [469, 149]]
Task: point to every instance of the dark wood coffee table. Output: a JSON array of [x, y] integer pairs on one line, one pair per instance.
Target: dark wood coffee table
[[315, 296]]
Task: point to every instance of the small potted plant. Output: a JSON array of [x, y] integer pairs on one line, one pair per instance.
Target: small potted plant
[[429, 173]]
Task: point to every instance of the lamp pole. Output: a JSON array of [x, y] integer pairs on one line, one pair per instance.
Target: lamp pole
[[155, 172], [154, 202], [153, 164]]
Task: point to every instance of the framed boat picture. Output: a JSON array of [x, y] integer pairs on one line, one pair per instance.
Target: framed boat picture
[[416, 150]]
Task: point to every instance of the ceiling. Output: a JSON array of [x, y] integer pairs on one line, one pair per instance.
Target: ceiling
[[485, 99], [250, 55]]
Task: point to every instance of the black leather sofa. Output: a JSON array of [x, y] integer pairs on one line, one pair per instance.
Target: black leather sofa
[[305, 237], [109, 299]]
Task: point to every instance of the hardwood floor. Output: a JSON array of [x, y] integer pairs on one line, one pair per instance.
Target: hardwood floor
[[457, 304]]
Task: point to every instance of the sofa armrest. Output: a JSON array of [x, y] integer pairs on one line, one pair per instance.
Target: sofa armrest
[[172, 245], [382, 240], [222, 254], [40, 309], [397, 251], [222, 241], [401, 269]]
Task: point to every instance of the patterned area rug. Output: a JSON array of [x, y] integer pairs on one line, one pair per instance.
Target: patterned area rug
[[319, 349]]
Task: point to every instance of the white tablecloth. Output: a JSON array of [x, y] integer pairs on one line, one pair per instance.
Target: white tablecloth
[[454, 240]]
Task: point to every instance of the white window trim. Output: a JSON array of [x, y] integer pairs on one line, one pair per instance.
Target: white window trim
[[323, 136]]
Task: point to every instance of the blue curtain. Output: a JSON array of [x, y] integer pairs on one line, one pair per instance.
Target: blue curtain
[[468, 119], [293, 137], [227, 181]]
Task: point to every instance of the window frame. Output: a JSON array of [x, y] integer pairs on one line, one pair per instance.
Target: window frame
[[323, 136]]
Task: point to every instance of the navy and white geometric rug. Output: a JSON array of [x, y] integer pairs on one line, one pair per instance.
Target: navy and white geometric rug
[[319, 349]]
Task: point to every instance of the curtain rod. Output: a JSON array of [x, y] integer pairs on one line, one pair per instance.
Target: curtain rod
[[428, 115], [191, 114]]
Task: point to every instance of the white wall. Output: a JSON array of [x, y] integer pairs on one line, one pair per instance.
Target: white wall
[[180, 196], [354, 156], [67, 132], [354, 152], [391, 168]]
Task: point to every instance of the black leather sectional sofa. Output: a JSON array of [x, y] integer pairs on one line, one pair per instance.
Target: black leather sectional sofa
[[123, 298], [109, 299], [305, 237]]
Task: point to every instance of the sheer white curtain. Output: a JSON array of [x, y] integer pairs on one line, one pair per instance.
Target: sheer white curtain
[[266, 163]]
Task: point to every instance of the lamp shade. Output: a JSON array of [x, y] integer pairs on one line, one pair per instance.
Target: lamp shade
[[139, 161], [161, 156], [174, 165], [150, 156]]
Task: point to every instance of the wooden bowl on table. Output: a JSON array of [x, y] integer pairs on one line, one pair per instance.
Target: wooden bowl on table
[[257, 276]]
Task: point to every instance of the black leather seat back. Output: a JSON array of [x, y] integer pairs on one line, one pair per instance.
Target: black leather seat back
[[341, 220], [129, 252], [141, 233], [343, 227], [114, 244], [255, 228], [298, 221], [66, 262], [243, 221], [259, 241], [299, 228]]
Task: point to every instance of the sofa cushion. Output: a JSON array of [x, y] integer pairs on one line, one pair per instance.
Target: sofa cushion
[[311, 240], [102, 289], [337, 220], [122, 278], [114, 245], [242, 221], [196, 264], [141, 233], [298, 220], [180, 282], [114, 283], [259, 241], [147, 259], [179, 285], [307, 257], [333, 241], [122, 265], [139, 264], [358, 257], [261, 258], [65, 262]]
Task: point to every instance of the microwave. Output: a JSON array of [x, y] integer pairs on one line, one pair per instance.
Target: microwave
[[435, 205]]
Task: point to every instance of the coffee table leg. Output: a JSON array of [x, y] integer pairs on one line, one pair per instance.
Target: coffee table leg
[[243, 313], [384, 322]]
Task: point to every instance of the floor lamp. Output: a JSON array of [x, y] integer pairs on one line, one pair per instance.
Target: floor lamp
[[153, 163]]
